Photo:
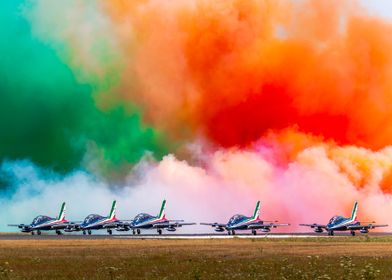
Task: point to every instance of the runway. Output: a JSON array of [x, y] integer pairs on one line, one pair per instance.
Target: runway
[[47, 236]]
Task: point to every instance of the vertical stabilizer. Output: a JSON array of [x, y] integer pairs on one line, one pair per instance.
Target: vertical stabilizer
[[161, 214], [354, 212], [61, 216], [257, 211], [112, 214]]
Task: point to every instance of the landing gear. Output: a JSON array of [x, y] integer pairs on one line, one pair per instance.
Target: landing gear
[[138, 231], [254, 232], [32, 233], [89, 232], [233, 232], [159, 231], [330, 233], [133, 232], [58, 232], [352, 233], [38, 232], [110, 231], [84, 232], [229, 232]]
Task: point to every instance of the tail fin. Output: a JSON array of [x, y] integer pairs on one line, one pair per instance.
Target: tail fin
[[257, 211], [61, 216], [354, 212], [161, 214], [112, 214]]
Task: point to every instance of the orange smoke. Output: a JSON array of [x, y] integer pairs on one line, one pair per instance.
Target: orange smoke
[[234, 70]]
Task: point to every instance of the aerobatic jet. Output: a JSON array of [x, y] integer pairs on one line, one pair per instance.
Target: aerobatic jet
[[45, 223], [96, 222], [159, 222], [241, 222], [339, 223]]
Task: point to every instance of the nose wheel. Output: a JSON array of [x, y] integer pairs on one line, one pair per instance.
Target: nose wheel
[[38, 232], [330, 233], [58, 232], [352, 233], [89, 232], [254, 232], [110, 231], [159, 231]]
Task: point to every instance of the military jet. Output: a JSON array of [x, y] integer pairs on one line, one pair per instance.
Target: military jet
[[339, 223], [159, 222], [241, 222], [96, 222], [45, 223]]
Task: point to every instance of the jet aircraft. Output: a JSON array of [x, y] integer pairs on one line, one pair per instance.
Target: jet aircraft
[[339, 223], [45, 223], [241, 222], [159, 222], [96, 222]]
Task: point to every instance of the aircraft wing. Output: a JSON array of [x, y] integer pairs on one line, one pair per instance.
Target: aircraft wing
[[60, 226], [114, 224], [270, 225], [314, 225], [16, 225], [214, 225], [172, 224], [368, 226], [74, 226]]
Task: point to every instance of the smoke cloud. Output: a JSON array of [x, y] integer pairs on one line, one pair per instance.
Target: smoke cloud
[[212, 105]]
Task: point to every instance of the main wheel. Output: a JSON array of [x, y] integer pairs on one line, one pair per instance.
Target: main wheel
[[229, 232], [352, 233], [110, 231], [159, 231], [138, 231], [38, 232], [58, 232], [32, 233], [89, 232], [254, 232], [133, 232], [84, 232], [233, 232]]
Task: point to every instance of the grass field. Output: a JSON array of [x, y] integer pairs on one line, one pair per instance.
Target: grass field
[[321, 258]]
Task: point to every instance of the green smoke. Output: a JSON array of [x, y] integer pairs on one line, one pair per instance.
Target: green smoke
[[50, 118]]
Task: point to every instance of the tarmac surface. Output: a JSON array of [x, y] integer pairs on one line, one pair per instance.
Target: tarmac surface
[[73, 236]]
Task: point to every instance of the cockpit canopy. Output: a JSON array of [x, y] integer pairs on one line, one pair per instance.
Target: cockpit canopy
[[142, 217], [236, 219], [92, 218], [336, 219], [40, 220]]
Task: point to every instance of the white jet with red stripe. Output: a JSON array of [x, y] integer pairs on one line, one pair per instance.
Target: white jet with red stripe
[[98, 222], [241, 222], [46, 223], [340, 223], [159, 222]]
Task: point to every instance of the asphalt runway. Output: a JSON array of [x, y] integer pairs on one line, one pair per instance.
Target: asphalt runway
[[47, 236]]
